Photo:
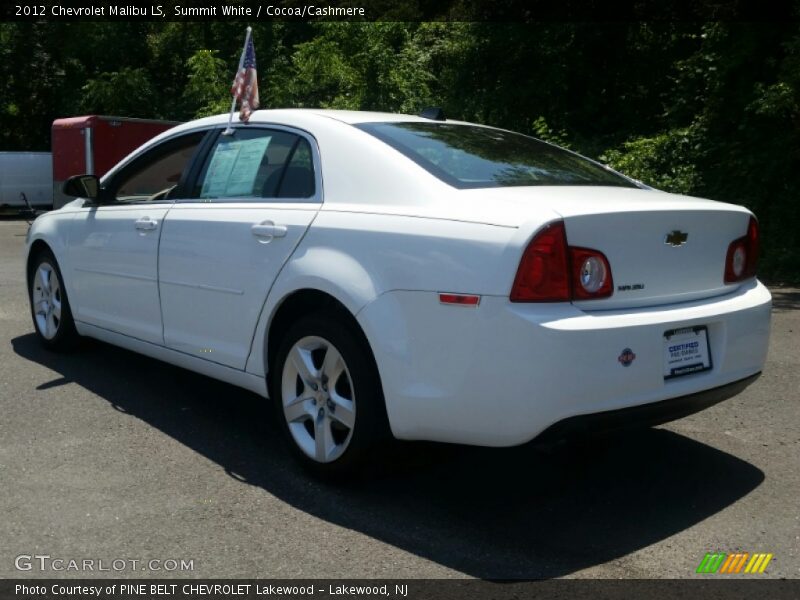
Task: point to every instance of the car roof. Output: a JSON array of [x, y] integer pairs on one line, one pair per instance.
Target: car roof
[[357, 116], [288, 115]]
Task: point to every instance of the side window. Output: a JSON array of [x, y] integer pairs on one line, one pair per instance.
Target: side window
[[298, 180], [155, 175], [256, 164]]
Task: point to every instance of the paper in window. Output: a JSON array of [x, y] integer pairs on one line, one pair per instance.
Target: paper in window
[[234, 167]]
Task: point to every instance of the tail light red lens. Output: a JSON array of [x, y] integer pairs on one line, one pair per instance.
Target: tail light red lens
[[551, 271], [542, 275], [742, 260]]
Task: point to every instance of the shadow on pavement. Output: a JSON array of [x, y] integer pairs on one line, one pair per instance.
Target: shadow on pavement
[[489, 513], [785, 299]]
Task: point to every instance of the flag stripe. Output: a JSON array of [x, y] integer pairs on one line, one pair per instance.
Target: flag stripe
[[754, 563], [767, 558], [718, 562], [728, 562], [702, 567], [750, 564], [742, 560]]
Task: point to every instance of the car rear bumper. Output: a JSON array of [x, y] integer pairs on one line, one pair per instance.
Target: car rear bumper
[[501, 374], [643, 415]]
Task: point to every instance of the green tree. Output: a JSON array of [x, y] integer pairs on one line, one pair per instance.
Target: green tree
[[207, 90], [711, 109], [121, 93]]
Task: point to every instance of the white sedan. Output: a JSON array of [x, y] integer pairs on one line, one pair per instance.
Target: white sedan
[[383, 275]]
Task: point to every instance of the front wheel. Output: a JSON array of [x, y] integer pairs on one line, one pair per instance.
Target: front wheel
[[52, 317], [328, 396]]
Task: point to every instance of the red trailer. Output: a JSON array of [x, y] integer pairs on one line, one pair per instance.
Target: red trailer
[[93, 144]]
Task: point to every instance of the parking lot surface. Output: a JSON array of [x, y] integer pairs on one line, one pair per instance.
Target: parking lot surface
[[108, 455]]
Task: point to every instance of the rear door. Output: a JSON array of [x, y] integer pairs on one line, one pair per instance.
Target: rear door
[[253, 198]]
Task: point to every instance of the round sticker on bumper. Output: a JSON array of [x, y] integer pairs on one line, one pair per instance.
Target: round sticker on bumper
[[627, 357]]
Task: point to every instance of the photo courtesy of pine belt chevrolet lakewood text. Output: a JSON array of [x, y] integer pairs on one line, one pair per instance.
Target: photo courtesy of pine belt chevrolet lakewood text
[[379, 275]]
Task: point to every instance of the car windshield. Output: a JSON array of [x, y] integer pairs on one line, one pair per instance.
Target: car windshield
[[468, 156]]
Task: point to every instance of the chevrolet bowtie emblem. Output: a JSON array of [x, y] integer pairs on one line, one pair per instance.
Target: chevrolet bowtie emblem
[[676, 238]]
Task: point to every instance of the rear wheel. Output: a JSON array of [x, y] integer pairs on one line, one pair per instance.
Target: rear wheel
[[50, 310], [327, 394]]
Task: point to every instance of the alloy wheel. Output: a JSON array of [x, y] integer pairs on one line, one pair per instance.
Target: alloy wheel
[[318, 399], [46, 300]]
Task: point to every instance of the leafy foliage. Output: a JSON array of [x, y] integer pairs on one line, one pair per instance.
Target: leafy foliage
[[710, 109], [207, 85], [666, 161], [120, 93]]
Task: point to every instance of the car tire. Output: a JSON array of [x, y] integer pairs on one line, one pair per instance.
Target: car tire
[[50, 309], [327, 395]]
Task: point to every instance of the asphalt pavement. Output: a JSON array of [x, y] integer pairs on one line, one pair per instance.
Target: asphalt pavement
[[107, 456]]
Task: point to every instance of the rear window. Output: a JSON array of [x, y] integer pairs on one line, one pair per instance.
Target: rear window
[[467, 156]]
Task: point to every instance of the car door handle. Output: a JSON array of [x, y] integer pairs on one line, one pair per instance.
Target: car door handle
[[146, 224], [267, 230]]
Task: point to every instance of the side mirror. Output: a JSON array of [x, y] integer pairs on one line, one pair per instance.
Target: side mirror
[[82, 186]]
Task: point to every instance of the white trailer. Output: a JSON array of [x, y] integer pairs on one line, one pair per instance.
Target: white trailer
[[28, 173]]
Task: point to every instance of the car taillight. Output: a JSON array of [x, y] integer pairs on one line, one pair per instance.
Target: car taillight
[[742, 259], [551, 271], [542, 275], [591, 274]]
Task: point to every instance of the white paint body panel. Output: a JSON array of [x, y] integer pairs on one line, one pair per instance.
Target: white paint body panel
[[387, 239], [114, 269], [215, 274], [501, 373]]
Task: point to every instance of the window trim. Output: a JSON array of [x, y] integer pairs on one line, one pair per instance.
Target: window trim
[[200, 161], [122, 169]]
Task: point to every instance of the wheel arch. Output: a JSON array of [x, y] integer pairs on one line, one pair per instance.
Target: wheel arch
[[316, 275], [295, 305], [49, 232], [36, 248]]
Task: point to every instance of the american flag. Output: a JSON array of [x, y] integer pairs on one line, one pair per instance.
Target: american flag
[[245, 84]]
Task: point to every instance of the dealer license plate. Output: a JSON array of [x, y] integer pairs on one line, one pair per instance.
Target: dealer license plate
[[686, 351]]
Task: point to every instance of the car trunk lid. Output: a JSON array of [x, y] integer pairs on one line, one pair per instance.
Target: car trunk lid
[[662, 248]]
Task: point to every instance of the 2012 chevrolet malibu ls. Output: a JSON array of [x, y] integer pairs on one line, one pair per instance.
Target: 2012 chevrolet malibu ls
[[379, 274]]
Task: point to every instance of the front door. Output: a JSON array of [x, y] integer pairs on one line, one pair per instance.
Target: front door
[[114, 245]]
